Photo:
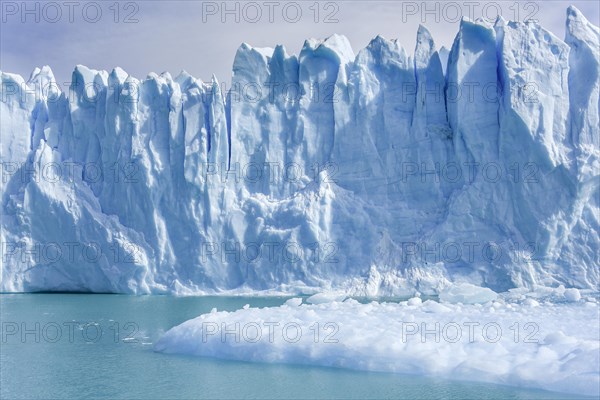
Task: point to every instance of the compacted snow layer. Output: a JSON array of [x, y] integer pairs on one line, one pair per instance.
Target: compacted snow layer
[[378, 173], [526, 342]]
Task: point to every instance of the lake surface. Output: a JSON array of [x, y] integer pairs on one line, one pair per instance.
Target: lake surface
[[100, 346]]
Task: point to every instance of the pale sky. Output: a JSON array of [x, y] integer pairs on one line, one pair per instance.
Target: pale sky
[[191, 35]]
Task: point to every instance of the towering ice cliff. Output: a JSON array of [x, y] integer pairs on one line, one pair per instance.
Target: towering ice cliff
[[379, 173]]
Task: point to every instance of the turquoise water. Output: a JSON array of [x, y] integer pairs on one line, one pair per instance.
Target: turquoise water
[[100, 346]]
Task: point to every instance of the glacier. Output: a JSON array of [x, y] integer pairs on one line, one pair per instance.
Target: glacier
[[380, 173]]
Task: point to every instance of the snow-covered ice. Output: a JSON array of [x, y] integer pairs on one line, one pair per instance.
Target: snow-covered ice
[[376, 173], [548, 345]]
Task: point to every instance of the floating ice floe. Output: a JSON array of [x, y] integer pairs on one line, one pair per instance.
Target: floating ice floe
[[467, 293], [550, 346]]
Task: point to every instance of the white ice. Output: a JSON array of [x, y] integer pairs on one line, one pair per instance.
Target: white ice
[[514, 340], [155, 186]]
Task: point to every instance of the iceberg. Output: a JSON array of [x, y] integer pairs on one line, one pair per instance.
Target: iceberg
[[467, 293], [512, 342], [379, 173]]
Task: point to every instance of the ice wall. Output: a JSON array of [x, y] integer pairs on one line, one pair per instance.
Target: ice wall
[[379, 173]]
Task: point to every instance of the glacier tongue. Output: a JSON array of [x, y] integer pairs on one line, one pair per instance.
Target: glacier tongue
[[379, 173]]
